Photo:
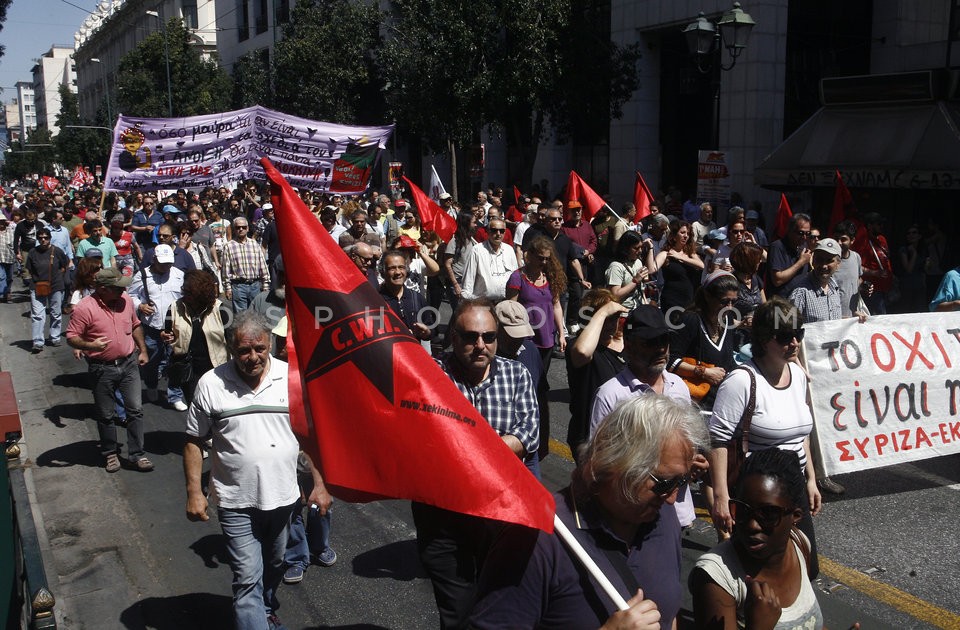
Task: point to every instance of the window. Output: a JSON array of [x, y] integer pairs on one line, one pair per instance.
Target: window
[[261, 16], [283, 12], [243, 21], [189, 10]]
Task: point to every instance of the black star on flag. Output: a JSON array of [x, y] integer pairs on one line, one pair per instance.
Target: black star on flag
[[356, 327]]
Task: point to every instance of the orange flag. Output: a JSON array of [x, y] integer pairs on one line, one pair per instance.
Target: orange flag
[[578, 190], [784, 213], [642, 198], [379, 418]]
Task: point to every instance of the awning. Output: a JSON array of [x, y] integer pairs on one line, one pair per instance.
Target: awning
[[905, 147]]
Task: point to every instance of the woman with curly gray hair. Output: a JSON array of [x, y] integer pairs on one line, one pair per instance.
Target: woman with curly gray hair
[[619, 507]]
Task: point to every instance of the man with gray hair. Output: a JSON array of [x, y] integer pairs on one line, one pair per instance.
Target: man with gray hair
[[245, 271], [790, 257], [243, 405]]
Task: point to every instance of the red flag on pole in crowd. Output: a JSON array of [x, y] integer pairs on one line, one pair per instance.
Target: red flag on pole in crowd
[[78, 180], [514, 213], [642, 198], [87, 176], [577, 189], [432, 216], [843, 206], [50, 183], [378, 416], [784, 213]]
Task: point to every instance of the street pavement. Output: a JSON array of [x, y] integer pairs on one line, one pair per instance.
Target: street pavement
[[120, 553]]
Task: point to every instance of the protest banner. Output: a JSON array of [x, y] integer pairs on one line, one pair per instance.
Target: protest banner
[[224, 148], [713, 179], [886, 391]]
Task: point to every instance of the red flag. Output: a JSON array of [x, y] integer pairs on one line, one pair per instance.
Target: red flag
[[784, 213], [843, 206], [577, 189], [642, 198], [432, 216], [50, 183], [516, 196], [78, 180], [381, 419]]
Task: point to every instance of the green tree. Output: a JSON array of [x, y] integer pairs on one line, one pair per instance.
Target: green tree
[[523, 67], [197, 86], [76, 146], [4, 5], [251, 80], [35, 155], [324, 65]]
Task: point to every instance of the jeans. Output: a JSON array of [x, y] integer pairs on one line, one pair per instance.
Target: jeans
[[107, 379], [243, 294], [6, 279], [256, 540], [159, 353], [302, 542], [39, 307]]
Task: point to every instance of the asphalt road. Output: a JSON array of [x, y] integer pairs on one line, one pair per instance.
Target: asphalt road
[[121, 554]]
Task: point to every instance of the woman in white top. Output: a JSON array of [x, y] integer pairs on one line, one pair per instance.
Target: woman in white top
[[781, 417], [759, 579], [630, 269]]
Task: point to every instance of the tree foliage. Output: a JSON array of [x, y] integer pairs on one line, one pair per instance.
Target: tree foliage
[[251, 80], [197, 86], [35, 155], [87, 147], [324, 65], [4, 5]]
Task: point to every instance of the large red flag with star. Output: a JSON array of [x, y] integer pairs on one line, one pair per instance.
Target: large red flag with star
[[378, 416]]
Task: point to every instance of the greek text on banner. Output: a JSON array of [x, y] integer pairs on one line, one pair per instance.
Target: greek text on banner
[[219, 149], [886, 391]]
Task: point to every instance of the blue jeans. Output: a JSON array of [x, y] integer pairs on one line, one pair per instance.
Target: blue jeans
[[39, 307], [107, 381], [6, 279], [243, 294], [302, 542], [159, 357], [256, 540]]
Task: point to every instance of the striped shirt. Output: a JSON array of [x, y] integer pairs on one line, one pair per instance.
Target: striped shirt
[[815, 303], [6, 247], [244, 262], [506, 399], [781, 418]]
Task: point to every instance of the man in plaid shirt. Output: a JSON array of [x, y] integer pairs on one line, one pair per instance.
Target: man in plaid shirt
[[452, 545], [244, 268]]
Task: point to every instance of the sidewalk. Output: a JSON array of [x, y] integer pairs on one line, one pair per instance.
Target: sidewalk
[[95, 553]]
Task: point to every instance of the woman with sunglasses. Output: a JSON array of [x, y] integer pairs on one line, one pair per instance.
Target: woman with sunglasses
[[781, 417], [759, 579], [620, 507], [702, 338]]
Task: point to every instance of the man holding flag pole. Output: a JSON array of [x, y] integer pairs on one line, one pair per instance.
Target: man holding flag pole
[[410, 425]]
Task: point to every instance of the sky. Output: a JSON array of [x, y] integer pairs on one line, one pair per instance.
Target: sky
[[31, 28]]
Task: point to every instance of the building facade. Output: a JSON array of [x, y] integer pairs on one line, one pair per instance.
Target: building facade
[[53, 69]]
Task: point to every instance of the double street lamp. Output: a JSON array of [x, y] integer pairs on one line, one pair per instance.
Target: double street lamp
[[166, 58], [706, 42]]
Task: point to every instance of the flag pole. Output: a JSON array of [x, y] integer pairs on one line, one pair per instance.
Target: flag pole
[[574, 545]]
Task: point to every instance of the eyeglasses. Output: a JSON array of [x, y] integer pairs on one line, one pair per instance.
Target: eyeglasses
[[728, 301], [656, 342], [784, 337], [497, 230], [472, 336], [365, 259], [555, 219], [766, 516], [544, 258], [242, 227], [814, 237], [804, 233], [666, 487], [737, 231], [164, 235]]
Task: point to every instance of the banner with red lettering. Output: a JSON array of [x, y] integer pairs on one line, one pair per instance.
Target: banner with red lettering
[[886, 391]]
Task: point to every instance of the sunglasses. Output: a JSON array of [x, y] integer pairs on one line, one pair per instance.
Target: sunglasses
[[766, 516], [728, 301], [737, 231], [472, 336], [555, 219], [784, 337], [804, 234], [666, 487], [242, 227], [497, 230]]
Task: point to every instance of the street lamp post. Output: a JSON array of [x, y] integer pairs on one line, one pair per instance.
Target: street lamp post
[[706, 42], [166, 58], [106, 87]]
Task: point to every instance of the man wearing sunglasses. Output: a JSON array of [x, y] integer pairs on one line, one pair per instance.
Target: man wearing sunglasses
[[245, 271], [451, 545], [647, 348], [790, 257], [489, 265]]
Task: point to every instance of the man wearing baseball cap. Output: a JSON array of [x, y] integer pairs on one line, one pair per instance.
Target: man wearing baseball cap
[[818, 296], [106, 330], [647, 349]]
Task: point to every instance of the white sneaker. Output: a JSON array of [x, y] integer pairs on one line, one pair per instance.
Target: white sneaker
[[180, 405]]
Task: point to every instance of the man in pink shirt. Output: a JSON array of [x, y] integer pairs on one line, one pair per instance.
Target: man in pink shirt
[[105, 328]]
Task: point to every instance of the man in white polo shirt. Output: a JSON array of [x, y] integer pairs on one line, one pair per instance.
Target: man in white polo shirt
[[243, 406]]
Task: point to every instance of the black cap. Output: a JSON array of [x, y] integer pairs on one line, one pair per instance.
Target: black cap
[[645, 322]]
